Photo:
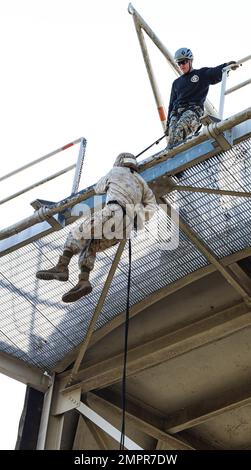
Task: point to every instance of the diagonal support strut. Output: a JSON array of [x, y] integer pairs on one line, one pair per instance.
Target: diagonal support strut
[[97, 311], [203, 248]]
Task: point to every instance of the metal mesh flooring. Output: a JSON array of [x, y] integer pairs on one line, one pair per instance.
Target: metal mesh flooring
[[223, 222], [37, 327]]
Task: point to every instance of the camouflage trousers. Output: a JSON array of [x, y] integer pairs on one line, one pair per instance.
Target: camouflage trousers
[[98, 232], [183, 122]]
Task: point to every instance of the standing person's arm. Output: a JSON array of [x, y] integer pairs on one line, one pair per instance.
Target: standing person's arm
[[214, 74]]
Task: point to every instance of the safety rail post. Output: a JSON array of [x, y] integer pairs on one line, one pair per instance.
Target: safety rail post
[[79, 166], [225, 92], [222, 93], [34, 162]]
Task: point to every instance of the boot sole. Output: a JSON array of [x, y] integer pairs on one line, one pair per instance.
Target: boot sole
[[72, 297], [50, 277]]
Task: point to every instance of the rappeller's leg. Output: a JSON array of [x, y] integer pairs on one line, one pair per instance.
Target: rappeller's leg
[[73, 245], [83, 286], [86, 264], [60, 272], [87, 256]]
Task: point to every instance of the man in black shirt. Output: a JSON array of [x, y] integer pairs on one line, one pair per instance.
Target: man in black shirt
[[188, 95]]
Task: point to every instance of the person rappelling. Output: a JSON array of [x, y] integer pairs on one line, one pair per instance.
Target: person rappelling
[[129, 200]]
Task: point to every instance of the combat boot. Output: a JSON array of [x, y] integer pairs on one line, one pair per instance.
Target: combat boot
[[82, 288], [60, 272]]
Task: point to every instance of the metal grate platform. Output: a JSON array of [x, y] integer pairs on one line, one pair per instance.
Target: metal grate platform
[[37, 327]]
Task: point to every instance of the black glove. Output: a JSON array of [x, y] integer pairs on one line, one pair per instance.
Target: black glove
[[233, 64]]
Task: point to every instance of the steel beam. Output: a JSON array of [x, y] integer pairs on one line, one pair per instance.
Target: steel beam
[[209, 408], [27, 374], [45, 417], [55, 431], [243, 278], [150, 426], [164, 348], [151, 300], [106, 426], [97, 435]]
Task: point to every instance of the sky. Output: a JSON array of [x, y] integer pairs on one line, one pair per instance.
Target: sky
[[75, 68]]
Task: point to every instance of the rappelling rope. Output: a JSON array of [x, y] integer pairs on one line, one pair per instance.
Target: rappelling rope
[[122, 439], [154, 143], [123, 392]]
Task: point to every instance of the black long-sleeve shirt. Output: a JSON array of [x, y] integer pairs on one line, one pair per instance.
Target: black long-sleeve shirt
[[192, 88]]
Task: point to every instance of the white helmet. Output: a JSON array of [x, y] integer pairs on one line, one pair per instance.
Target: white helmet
[[183, 53], [126, 160]]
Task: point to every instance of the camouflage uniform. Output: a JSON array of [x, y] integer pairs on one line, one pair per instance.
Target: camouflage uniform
[[183, 121], [127, 197], [124, 190], [79, 241]]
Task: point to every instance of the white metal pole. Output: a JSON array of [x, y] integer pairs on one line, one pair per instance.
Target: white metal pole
[[222, 93], [237, 87], [34, 162], [155, 89], [208, 106], [38, 183], [45, 417], [79, 166], [245, 59], [225, 92]]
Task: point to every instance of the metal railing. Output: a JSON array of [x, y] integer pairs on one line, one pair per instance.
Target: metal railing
[[45, 213], [78, 169], [225, 92]]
